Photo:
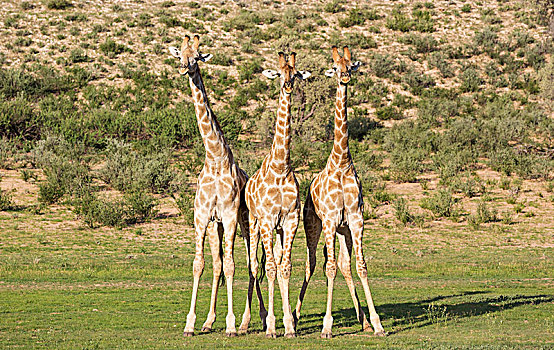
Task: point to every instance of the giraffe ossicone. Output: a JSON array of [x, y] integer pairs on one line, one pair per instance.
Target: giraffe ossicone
[[334, 206], [219, 203]]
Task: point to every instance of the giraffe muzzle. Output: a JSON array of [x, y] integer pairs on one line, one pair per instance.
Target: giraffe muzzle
[[288, 87], [345, 77]]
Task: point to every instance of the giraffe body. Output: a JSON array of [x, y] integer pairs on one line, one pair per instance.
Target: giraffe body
[[273, 202], [334, 206], [219, 203]]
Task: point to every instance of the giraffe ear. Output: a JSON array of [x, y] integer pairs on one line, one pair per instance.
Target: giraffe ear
[[175, 51], [205, 57], [270, 73], [303, 74], [330, 72], [356, 65]]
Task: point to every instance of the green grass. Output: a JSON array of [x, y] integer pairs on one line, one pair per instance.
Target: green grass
[[73, 287]]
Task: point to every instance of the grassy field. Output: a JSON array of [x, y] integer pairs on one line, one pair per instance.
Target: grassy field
[[64, 285], [451, 124]]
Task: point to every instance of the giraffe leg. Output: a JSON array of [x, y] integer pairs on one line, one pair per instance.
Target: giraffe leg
[[329, 229], [284, 270], [253, 281], [357, 228], [215, 237], [230, 227], [271, 272], [254, 240], [278, 254], [312, 228], [344, 262], [197, 269]]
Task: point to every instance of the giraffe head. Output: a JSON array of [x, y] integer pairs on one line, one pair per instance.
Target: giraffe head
[[287, 72], [342, 66], [189, 55]]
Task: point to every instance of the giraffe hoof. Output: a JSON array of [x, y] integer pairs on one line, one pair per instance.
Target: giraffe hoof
[[326, 335], [380, 334], [271, 335], [188, 334], [206, 329], [290, 335], [231, 334], [243, 330]]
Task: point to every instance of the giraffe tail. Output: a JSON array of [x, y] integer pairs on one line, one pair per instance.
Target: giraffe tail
[[261, 273], [325, 257], [221, 275]]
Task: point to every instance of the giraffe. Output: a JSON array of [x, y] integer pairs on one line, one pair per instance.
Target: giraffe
[[272, 199], [334, 205], [219, 202]]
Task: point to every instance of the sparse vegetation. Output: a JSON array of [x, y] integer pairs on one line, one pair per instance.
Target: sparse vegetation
[[450, 116]]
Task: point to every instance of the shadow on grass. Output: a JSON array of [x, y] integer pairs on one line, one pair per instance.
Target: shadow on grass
[[422, 313]]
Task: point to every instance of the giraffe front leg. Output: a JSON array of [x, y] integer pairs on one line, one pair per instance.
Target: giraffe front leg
[[229, 227], [357, 228], [285, 267], [215, 237], [266, 231], [197, 269], [329, 229]]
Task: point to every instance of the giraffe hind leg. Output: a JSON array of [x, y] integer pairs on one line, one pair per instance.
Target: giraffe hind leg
[[312, 228], [357, 228], [344, 262], [252, 282]]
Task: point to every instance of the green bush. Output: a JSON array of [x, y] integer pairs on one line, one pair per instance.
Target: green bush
[[482, 215], [65, 167], [406, 165], [18, 119], [471, 80], [402, 211], [418, 81], [127, 169], [388, 113], [78, 55], [399, 21], [112, 48], [438, 60], [355, 17], [421, 20], [470, 186], [185, 203], [134, 208], [334, 6], [360, 125], [58, 4], [243, 21], [422, 43], [221, 59], [6, 202], [441, 203], [383, 65]]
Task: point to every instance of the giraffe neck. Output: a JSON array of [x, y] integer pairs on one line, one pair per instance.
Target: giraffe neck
[[280, 150], [214, 141], [340, 156]]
